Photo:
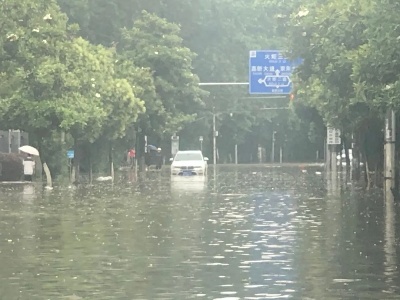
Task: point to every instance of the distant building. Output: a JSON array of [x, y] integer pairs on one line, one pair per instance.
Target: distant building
[[11, 140]]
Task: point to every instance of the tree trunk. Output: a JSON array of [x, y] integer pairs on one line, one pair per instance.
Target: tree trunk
[[356, 160], [90, 165], [110, 157], [367, 174], [76, 161], [41, 160], [140, 150], [346, 150], [49, 182]]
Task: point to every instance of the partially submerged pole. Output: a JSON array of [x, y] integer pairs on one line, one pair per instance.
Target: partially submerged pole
[[214, 139], [49, 183], [236, 154], [389, 149]]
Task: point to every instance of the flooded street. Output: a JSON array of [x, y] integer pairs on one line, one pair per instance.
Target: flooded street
[[248, 233]]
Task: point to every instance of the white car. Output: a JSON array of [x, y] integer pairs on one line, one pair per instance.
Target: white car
[[188, 163]]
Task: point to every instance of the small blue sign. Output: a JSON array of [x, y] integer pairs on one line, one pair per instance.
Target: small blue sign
[[70, 153], [270, 73]]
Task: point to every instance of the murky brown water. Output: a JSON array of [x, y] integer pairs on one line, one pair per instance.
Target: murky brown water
[[251, 233]]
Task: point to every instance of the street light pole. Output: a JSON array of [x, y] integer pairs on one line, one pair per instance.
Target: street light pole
[[214, 140], [201, 143], [273, 148], [236, 154]]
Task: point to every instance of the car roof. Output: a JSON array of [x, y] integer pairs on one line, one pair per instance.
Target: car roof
[[188, 151]]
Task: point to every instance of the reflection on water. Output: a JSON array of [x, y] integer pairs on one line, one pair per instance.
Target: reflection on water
[[238, 233], [29, 192], [188, 183], [391, 265]]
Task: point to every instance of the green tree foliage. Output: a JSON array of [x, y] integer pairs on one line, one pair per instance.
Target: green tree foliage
[[324, 36], [376, 63], [350, 69], [155, 44], [53, 81], [136, 65], [28, 31]]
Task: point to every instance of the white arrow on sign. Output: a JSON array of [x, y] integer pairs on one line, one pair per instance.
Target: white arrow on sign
[[274, 83]]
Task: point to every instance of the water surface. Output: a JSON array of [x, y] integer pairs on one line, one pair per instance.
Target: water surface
[[247, 233]]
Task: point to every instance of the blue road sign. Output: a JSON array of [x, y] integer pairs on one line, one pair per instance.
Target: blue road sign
[[269, 73], [70, 153]]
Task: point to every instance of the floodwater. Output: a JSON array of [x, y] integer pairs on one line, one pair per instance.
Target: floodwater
[[247, 233]]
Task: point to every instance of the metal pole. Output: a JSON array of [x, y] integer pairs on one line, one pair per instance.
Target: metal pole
[[236, 154], [9, 141], [333, 174], [273, 148], [393, 149], [222, 83], [327, 156], [19, 139], [280, 155], [333, 160], [136, 167], [214, 140], [70, 170]]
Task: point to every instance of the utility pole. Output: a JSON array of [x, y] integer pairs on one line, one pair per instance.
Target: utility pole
[[201, 143], [214, 139], [9, 141], [19, 139], [390, 140], [236, 154], [273, 148]]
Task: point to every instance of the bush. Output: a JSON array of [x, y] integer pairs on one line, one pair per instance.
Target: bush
[[11, 167]]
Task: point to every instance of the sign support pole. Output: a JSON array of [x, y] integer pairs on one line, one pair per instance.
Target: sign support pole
[[327, 158], [332, 140], [333, 160], [70, 155], [70, 170]]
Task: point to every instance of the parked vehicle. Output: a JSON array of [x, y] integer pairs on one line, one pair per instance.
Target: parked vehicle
[[153, 157], [187, 163]]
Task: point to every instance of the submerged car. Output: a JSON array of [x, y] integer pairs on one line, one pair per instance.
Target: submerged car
[[187, 163]]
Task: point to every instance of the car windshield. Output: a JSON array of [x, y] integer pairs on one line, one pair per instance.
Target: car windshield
[[188, 156]]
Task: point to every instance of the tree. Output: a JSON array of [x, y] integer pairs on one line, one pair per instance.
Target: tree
[[54, 81], [32, 36], [155, 44]]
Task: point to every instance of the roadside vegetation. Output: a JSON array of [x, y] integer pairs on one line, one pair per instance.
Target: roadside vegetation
[[99, 76]]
